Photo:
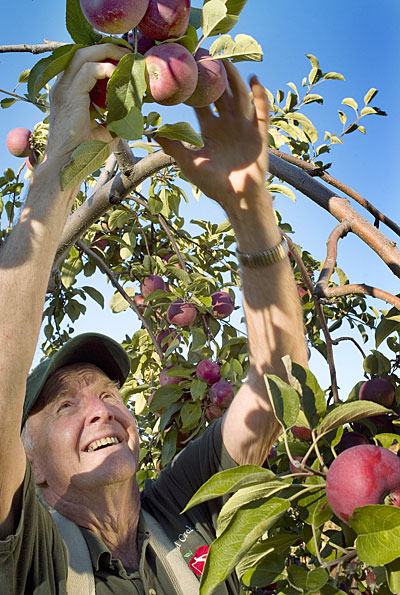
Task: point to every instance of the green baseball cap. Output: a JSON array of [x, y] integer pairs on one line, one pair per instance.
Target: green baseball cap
[[91, 348]]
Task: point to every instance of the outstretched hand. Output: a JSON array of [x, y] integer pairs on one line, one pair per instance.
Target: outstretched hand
[[231, 166], [70, 122]]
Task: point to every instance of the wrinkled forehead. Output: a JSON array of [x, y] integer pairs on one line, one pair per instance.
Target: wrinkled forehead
[[72, 378]]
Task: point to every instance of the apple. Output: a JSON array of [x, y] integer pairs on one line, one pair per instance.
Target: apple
[[222, 304], [171, 73], [213, 412], [165, 379], [165, 338], [18, 142], [378, 390], [181, 313], [99, 92], [302, 433], [272, 453], [167, 258], [99, 241], [212, 80], [32, 160], [165, 19], [208, 371], [350, 439], [140, 302], [294, 469], [221, 393], [150, 284], [362, 475], [143, 43], [301, 291], [114, 16]]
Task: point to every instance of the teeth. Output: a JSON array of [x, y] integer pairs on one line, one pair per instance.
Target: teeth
[[96, 444]]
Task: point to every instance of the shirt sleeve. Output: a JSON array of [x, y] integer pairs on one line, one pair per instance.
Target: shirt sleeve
[[34, 556]]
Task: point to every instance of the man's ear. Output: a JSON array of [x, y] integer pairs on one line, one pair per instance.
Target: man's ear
[[37, 472]]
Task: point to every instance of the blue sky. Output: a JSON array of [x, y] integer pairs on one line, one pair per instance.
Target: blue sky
[[357, 38]]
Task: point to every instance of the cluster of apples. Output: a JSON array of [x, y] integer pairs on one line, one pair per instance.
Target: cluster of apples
[[173, 74], [220, 392], [180, 313]]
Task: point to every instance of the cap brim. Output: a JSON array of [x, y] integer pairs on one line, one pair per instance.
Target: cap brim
[[91, 348]]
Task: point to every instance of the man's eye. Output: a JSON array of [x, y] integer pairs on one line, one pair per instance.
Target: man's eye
[[64, 405]]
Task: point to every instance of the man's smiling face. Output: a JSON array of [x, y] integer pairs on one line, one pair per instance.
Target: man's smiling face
[[83, 435]]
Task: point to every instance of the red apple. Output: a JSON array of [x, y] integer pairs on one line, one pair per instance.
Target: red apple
[[143, 43], [181, 313], [165, 338], [221, 393], [99, 92], [350, 439], [171, 73], [363, 475], [99, 241], [166, 379], [165, 19], [212, 80], [272, 453], [378, 390], [301, 291], [114, 16], [32, 160], [140, 302], [222, 304], [150, 284], [213, 412], [301, 433], [18, 142], [167, 258], [208, 371]]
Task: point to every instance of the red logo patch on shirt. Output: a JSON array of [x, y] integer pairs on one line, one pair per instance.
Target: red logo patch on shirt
[[199, 559]]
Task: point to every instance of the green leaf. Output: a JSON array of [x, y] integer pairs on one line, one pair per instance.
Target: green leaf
[[226, 482], [276, 545], [94, 294], [306, 125], [190, 415], [348, 412], [313, 97], [169, 447], [313, 60], [309, 581], [118, 303], [197, 388], [48, 68], [7, 102], [285, 400], [24, 76], [180, 131], [165, 396], [213, 13], [376, 363], [130, 127], [85, 159], [334, 76], [393, 575], [317, 510], [350, 102], [78, 27], [242, 48], [342, 116], [388, 325], [258, 491], [370, 95], [195, 17], [282, 189], [378, 533], [313, 397], [366, 111], [314, 76], [248, 525]]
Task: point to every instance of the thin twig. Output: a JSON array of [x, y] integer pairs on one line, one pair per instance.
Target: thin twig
[[102, 265], [340, 231], [336, 341], [20, 97], [41, 48]]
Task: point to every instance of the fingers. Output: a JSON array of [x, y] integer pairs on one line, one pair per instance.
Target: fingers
[[174, 148], [94, 53], [240, 92], [205, 118], [261, 108]]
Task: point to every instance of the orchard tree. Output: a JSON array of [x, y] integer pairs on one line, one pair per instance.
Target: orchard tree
[[306, 521]]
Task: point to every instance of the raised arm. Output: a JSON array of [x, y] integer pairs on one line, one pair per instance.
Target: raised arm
[[27, 256], [231, 170]]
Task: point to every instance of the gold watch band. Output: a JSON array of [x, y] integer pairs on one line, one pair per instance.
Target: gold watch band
[[264, 258]]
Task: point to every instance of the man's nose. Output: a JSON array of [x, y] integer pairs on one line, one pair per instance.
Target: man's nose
[[97, 409]]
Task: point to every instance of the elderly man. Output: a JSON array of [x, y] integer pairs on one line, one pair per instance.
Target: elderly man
[[80, 443]]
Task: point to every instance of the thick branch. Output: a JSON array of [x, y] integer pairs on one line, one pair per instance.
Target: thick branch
[[340, 209], [48, 46], [340, 186]]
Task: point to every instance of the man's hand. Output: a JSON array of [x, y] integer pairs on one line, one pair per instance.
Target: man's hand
[[231, 166], [70, 122]]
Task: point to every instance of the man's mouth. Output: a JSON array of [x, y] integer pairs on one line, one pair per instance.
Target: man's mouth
[[102, 443]]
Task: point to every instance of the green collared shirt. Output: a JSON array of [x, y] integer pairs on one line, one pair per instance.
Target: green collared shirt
[[33, 561]]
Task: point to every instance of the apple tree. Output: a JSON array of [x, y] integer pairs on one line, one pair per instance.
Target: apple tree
[[283, 529]]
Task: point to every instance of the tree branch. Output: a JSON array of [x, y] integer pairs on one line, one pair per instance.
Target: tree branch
[[102, 265], [340, 231], [47, 46]]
